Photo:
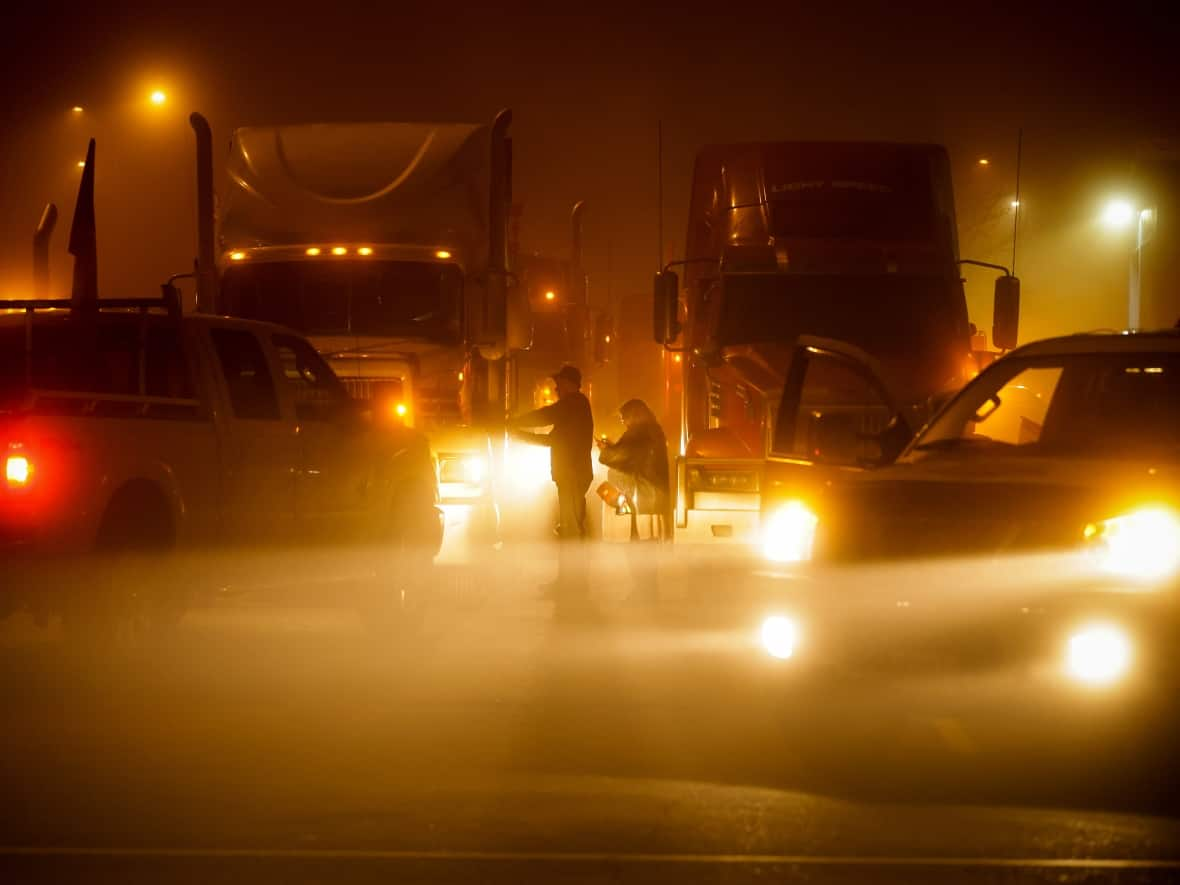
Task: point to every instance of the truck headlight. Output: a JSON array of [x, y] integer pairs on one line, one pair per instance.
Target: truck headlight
[[1144, 544], [474, 468], [1098, 654], [779, 635], [789, 533]]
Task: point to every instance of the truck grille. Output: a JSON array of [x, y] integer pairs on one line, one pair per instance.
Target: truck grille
[[431, 407]]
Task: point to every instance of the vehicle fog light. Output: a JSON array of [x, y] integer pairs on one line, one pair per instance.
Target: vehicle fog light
[[1098, 654], [1144, 544], [780, 635], [789, 533]]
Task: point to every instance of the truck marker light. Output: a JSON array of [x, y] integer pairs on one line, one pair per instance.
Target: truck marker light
[[339, 250], [17, 470], [364, 250], [313, 251], [236, 256], [443, 254]]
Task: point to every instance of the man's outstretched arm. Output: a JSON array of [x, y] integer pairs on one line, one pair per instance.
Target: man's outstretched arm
[[542, 417]]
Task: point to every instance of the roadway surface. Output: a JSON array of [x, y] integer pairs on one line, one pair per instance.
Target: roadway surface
[[275, 737]]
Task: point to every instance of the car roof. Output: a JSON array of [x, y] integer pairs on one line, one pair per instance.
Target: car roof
[[18, 318], [1127, 341]]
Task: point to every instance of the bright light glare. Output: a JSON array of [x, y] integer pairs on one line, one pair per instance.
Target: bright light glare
[[158, 97], [236, 256], [77, 109], [1144, 544], [400, 409], [550, 295], [81, 164], [789, 533], [474, 467], [780, 635], [527, 467], [313, 251], [339, 250], [1118, 214], [984, 161], [443, 254], [1098, 654], [364, 250], [17, 470]]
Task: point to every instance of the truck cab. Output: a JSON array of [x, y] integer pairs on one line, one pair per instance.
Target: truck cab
[[850, 241], [385, 245]]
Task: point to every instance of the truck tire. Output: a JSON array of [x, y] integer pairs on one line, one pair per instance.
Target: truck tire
[[404, 575], [127, 594]]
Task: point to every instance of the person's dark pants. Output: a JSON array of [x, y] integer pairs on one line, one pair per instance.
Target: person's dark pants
[[571, 556]]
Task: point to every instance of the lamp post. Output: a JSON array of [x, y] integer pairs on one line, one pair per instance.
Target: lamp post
[[1118, 215]]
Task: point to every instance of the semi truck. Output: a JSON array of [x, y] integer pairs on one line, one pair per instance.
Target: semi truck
[[851, 241], [386, 245]]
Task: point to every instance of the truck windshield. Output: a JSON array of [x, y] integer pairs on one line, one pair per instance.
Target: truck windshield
[[1120, 405], [914, 324], [397, 298]]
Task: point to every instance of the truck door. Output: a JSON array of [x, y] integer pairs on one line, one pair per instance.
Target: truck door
[[336, 495], [836, 416], [260, 448]]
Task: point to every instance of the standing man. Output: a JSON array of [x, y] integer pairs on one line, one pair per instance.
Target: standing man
[[570, 443]]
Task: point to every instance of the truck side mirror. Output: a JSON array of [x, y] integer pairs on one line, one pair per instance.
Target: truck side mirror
[[1006, 312], [665, 304]]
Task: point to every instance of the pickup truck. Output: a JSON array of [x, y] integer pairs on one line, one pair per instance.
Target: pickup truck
[[129, 430]]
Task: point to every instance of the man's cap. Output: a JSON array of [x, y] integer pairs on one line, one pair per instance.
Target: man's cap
[[569, 373]]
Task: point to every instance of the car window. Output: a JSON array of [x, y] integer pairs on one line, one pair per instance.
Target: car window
[[166, 371], [1015, 414], [1085, 405], [247, 376], [839, 410], [315, 389]]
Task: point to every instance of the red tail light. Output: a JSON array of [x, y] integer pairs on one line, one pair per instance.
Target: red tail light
[[17, 470]]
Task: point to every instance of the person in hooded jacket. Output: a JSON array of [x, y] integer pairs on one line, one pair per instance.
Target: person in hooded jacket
[[638, 461]]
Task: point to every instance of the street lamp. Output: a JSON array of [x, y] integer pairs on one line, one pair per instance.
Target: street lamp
[[1118, 215], [158, 97]]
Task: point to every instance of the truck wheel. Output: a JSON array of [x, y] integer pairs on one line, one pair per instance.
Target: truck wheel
[[127, 595], [401, 591]]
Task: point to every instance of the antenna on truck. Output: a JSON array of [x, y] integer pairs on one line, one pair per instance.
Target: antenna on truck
[[84, 241], [41, 239], [1016, 202], [660, 194]]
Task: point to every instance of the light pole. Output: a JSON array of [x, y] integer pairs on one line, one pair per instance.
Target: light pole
[[1118, 215]]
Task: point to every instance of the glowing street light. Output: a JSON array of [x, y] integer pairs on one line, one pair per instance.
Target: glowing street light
[[77, 109], [158, 97], [81, 164], [1118, 214], [550, 295], [984, 161]]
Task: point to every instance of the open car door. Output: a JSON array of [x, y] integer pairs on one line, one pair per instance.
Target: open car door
[[837, 415]]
